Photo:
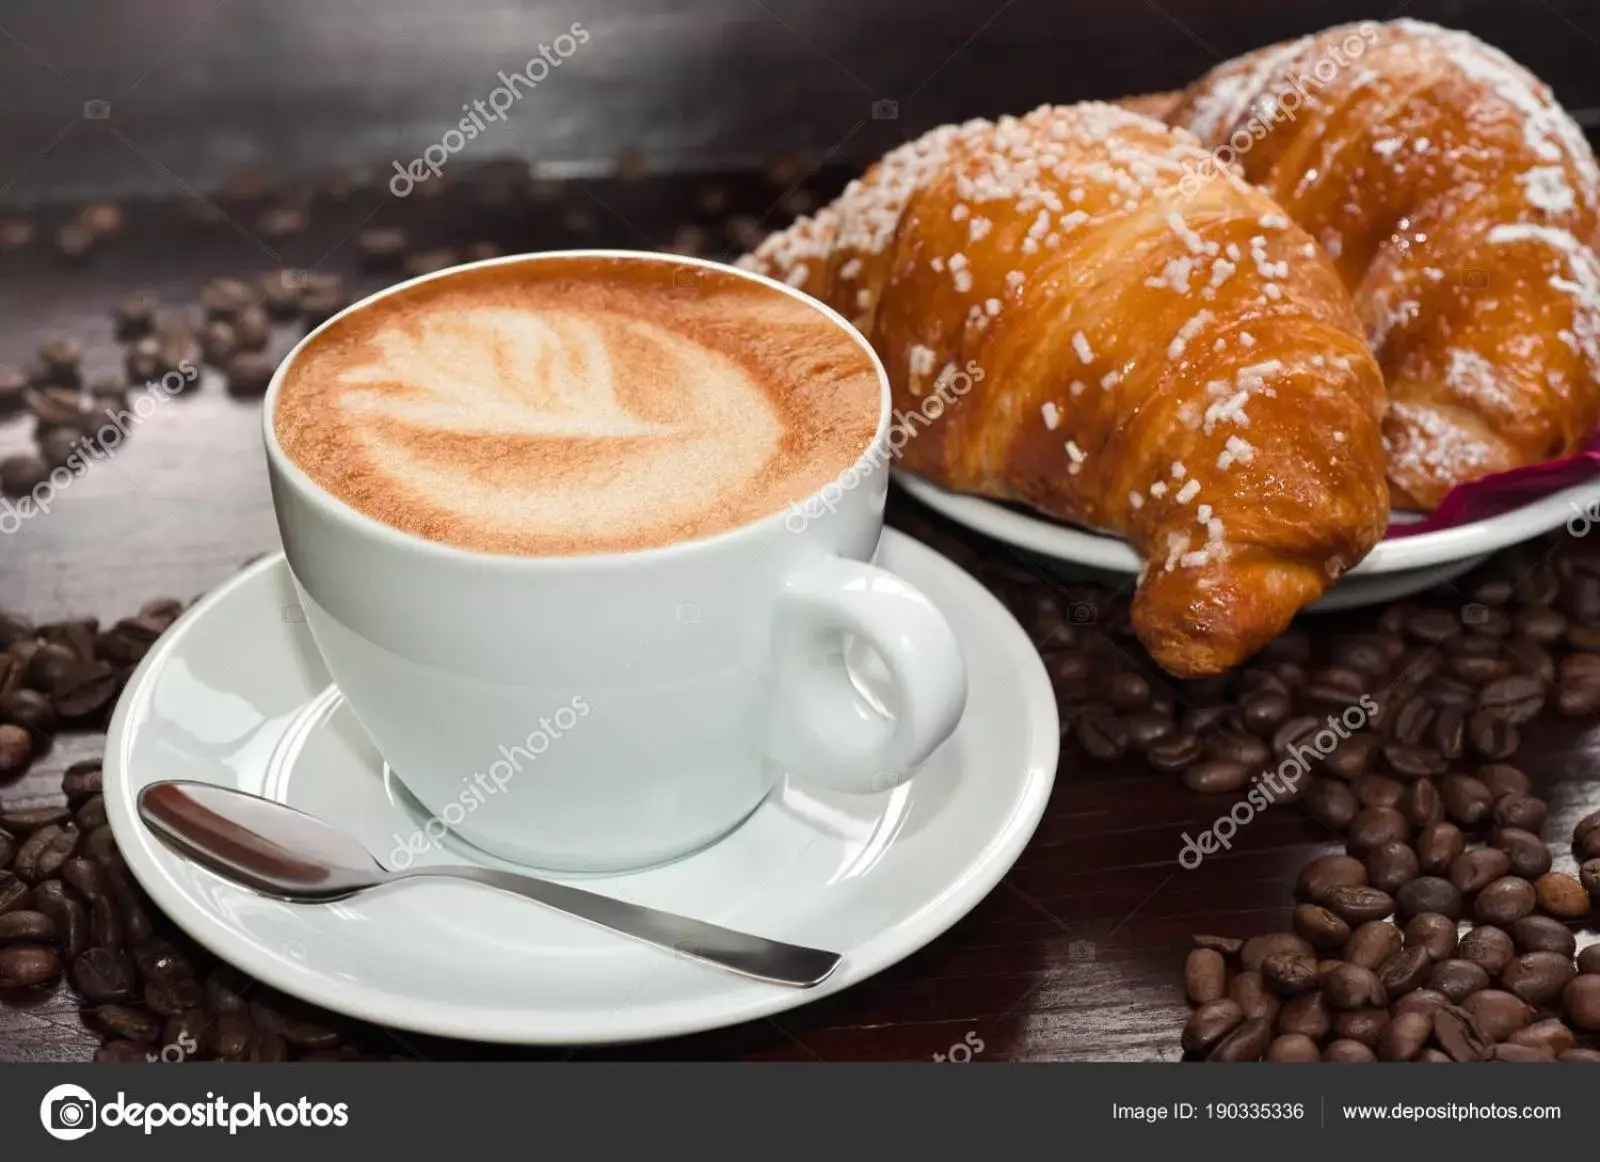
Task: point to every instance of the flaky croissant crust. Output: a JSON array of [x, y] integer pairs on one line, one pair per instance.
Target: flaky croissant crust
[[1068, 323], [1459, 203]]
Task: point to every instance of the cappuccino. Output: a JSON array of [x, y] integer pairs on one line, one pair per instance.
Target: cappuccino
[[576, 405]]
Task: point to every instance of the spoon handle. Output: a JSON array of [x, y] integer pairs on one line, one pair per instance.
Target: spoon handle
[[740, 952]]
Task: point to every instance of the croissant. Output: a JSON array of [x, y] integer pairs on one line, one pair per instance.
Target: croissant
[[1459, 203], [1064, 327]]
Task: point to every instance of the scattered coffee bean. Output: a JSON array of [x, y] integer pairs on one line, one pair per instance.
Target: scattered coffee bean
[[1457, 979], [1543, 934], [1421, 1000], [1492, 736], [24, 965], [1405, 1036], [1405, 971], [1580, 1000], [25, 927], [1435, 934], [1364, 1025], [1479, 867], [1207, 976], [1249, 991], [125, 1021], [1210, 777], [1257, 949], [1290, 975], [16, 751], [1246, 1043], [1529, 855], [1294, 1047], [103, 976], [1526, 812], [1549, 1034], [1538, 977], [1467, 800], [1375, 826], [1502, 779], [1305, 1016], [1347, 1051], [1515, 700], [1322, 929], [1588, 876], [1373, 943], [1488, 947], [1378, 791], [1359, 904], [1504, 901], [1227, 945], [224, 298], [1428, 894], [1207, 1026], [1437, 846], [1459, 1036], [1349, 986], [1562, 896], [250, 374]]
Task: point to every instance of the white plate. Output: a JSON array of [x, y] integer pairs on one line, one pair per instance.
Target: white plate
[[1394, 568], [236, 694]]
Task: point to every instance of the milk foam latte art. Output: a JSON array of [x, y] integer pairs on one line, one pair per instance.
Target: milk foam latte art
[[581, 405]]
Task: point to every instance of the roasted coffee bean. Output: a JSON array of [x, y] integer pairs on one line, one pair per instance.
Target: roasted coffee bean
[[1359, 904], [1529, 657], [1246, 1043], [192, 1027], [118, 1051], [1529, 855], [1305, 1016], [1414, 762], [1433, 933], [299, 1029], [1562, 896], [23, 927], [1289, 975], [1296, 732], [1467, 800], [1588, 876], [1586, 837], [1372, 943], [1491, 736], [1549, 1034], [41, 855], [1363, 1025], [1293, 1047], [1405, 1036], [1538, 977], [1580, 1054], [125, 1021], [1102, 735], [1488, 947], [172, 995], [1129, 691], [1330, 803], [223, 298], [103, 977], [1517, 699], [1477, 669], [1409, 724], [249, 374], [1207, 1026], [1348, 1051], [1504, 901], [1502, 779], [1322, 875], [30, 710], [135, 315], [1526, 812], [1213, 776], [1479, 867], [23, 821], [1428, 894], [1437, 846], [23, 965], [1580, 1000], [1579, 699], [1257, 949], [1498, 1014], [81, 780], [1375, 826], [1244, 749], [89, 689], [1263, 711], [1421, 805], [1175, 751], [233, 1036], [1391, 867], [51, 662], [1320, 928], [224, 990], [1227, 945], [1147, 727], [1543, 934], [1378, 791], [1421, 1000], [73, 930], [1457, 979], [16, 750], [8, 848], [1431, 626], [1206, 975], [1249, 991], [1405, 971], [1349, 986], [280, 293], [1459, 1036]]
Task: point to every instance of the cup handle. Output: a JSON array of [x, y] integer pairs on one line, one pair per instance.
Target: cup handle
[[824, 730]]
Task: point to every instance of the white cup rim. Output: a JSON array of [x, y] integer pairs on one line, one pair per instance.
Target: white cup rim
[[361, 523]]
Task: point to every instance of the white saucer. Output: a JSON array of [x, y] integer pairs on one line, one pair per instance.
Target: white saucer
[[236, 694], [1394, 568]]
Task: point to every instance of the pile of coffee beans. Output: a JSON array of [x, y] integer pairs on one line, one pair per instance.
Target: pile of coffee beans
[[1446, 930]]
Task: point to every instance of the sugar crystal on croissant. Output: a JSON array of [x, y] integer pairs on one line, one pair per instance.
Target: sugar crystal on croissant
[[1175, 362]]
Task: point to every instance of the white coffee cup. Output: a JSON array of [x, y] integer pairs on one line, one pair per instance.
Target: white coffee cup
[[606, 712]]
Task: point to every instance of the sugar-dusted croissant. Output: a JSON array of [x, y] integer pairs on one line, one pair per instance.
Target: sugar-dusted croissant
[[1459, 203], [1064, 327]]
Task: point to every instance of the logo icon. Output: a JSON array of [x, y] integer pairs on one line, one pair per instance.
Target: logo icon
[[67, 1113], [95, 109]]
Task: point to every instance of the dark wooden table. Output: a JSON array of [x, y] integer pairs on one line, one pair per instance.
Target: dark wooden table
[[1076, 955]]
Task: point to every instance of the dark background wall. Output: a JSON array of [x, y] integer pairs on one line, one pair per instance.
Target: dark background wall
[[194, 87]]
